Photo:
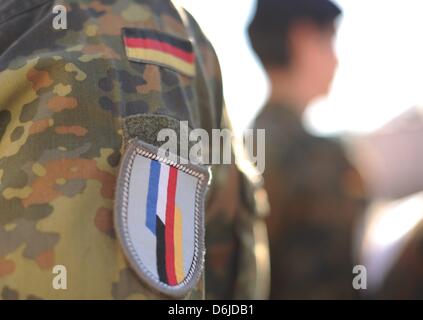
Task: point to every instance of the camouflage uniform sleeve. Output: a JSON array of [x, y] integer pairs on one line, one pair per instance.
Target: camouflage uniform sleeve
[[70, 103], [237, 258], [237, 264]]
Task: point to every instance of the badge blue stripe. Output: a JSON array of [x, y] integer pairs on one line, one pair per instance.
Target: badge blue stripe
[[153, 191]]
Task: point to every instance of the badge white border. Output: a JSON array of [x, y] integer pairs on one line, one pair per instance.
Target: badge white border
[[138, 148]]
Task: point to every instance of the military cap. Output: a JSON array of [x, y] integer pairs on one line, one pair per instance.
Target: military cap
[[270, 26], [271, 13]]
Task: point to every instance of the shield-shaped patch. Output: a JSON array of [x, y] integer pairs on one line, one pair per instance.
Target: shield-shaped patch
[[159, 218]]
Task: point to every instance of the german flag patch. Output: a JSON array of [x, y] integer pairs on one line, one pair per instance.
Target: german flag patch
[[159, 48]]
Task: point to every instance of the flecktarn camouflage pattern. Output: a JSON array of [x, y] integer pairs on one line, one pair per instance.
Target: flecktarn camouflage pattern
[[70, 103]]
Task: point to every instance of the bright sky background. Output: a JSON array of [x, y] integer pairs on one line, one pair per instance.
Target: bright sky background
[[380, 48]]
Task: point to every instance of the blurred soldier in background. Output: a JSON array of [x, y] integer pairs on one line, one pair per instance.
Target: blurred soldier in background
[[76, 100], [315, 194]]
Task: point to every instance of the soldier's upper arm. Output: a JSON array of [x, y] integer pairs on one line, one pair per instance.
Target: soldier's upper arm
[[80, 111]]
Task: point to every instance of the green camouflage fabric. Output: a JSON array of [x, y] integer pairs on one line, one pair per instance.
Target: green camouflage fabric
[[69, 102], [316, 197]]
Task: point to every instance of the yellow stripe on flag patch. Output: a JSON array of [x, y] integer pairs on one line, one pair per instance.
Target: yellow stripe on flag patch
[[161, 58], [179, 255]]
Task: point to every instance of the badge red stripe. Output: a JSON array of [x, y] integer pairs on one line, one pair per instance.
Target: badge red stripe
[[169, 227], [160, 46]]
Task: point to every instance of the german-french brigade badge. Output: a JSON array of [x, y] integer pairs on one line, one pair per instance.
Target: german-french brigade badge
[[159, 218]]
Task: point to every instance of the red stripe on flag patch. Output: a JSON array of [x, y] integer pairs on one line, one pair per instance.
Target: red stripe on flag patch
[[169, 227], [160, 46]]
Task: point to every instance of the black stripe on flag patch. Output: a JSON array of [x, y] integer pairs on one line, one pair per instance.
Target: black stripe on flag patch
[[160, 250]]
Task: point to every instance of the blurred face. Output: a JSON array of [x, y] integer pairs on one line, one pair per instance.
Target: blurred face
[[313, 58]]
